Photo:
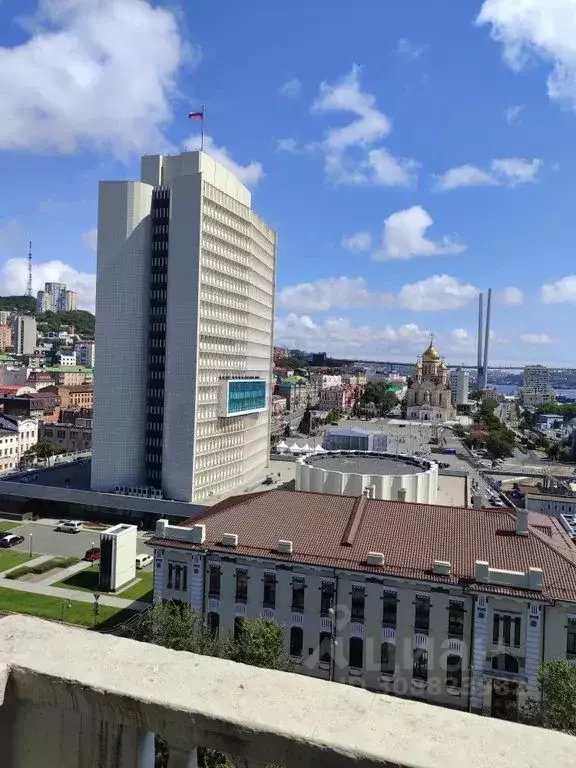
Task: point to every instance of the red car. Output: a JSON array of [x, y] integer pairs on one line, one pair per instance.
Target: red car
[[92, 554]]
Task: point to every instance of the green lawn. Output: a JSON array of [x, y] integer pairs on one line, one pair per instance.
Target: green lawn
[[142, 590], [6, 525], [87, 581], [55, 608], [10, 559]]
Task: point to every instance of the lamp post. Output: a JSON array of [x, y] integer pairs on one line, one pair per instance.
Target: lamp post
[[30, 541]]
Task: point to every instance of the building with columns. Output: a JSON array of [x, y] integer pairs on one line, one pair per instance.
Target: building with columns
[[429, 397], [444, 605]]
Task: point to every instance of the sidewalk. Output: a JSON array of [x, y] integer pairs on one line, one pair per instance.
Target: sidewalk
[[73, 594], [36, 560]]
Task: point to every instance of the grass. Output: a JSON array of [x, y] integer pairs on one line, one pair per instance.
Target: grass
[[87, 581], [9, 559], [142, 590], [84, 581], [6, 525], [57, 609], [47, 565]]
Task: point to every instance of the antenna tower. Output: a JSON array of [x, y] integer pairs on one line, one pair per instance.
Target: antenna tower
[[29, 280]]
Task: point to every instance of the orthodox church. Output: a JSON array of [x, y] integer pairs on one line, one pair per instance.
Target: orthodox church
[[429, 397]]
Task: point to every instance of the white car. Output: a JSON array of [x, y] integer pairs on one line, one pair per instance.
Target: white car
[[70, 526], [143, 560]]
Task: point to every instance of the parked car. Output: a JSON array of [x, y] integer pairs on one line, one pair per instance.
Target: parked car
[[92, 554], [70, 526], [143, 560], [11, 540]]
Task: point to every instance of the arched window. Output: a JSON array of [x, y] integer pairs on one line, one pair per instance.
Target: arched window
[[454, 672], [296, 641], [356, 655]]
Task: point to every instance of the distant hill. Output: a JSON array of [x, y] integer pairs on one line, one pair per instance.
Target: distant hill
[[22, 305], [83, 322]]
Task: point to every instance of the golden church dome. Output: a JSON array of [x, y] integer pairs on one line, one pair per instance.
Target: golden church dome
[[431, 355]]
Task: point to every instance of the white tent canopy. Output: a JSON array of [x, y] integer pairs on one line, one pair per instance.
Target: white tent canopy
[[319, 449], [306, 448], [295, 448], [282, 446]]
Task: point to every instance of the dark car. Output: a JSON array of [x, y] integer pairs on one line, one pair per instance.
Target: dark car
[[92, 554], [11, 540]]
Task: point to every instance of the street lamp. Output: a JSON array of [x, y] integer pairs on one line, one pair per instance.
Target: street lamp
[[30, 540]]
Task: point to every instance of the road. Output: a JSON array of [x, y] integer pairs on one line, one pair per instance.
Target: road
[[46, 541]]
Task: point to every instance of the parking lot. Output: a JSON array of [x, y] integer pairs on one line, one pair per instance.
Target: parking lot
[[42, 539]]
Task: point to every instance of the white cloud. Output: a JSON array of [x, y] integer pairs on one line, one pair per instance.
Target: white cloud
[[97, 73], [287, 145], [409, 49], [531, 29], [322, 295], [249, 174], [510, 296], [291, 88], [90, 239], [512, 113], [506, 172], [405, 237], [537, 338], [13, 275], [360, 241], [351, 157], [562, 291], [436, 293]]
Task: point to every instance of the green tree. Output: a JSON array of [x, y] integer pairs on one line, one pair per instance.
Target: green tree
[[498, 446], [43, 449], [475, 394], [260, 643], [553, 451], [556, 708], [378, 392]]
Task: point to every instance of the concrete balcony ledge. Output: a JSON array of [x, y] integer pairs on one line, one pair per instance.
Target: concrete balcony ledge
[[76, 699]]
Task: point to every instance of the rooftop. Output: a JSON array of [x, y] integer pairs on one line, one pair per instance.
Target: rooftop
[[67, 369], [411, 536], [365, 464], [94, 699]]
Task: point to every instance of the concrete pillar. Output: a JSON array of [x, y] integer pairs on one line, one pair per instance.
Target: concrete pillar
[[146, 749]]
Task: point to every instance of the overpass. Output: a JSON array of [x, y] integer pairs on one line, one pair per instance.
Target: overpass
[[396, 363]]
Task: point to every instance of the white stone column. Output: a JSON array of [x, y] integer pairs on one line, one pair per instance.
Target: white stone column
[[146, 749], [533, 631], [479, 653]]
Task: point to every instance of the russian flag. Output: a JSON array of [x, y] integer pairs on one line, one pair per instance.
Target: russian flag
[[196, 116]]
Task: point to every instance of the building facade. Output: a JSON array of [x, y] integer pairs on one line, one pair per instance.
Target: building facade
[[70, 437], [5, 337], [24, 431], [429, 397], [85, 353], [389, 608], [24, 334], [69, 375], [339, 399], [537, 390], [56, 298], [184, 311], [460, 386]]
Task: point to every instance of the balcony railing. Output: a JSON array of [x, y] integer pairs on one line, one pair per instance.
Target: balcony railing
[[79, 699]]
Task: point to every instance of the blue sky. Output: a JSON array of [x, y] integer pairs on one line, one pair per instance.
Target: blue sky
[[409, 154]]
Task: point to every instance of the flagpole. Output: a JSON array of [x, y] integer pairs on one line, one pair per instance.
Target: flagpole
[[202, 139]]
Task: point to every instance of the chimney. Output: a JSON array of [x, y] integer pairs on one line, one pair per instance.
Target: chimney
[[481, 570], [375, 558], [230, 540], [477, 501], [284, 546], [199, 534], [535, 578], [161, 526], [401, 494], [442, 568], [522, 522]]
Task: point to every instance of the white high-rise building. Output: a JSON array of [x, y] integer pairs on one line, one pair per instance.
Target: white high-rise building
[[56, 298], [24, 334], [184, 321], [537, 390], [460, 386]]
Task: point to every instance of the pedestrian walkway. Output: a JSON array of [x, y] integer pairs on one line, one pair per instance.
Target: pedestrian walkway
[[73, 594], [28, 564]]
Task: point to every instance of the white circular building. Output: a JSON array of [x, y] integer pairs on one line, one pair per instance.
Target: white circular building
[[387, 476]]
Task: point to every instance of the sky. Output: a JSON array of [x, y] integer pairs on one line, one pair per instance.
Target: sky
[[409, 153]]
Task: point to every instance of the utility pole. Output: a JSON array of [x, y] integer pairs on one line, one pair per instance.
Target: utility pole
[[29, 281]]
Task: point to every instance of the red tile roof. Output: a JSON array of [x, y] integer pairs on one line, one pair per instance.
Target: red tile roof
[[339, 531]]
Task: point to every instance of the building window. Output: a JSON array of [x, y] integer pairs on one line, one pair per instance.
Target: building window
[[422, 613], [420, 665], [387, 658], [298, 594], [326, 598], [177, 576], [269, 599], [238, 628], [214, 623], [571, 639], [325, 647], [214, 579], [389, 609], [60, 434], [358, 600], [506, 630], [296, 641], [356, 653], [454, 672], [241, 586], [456, 619]]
